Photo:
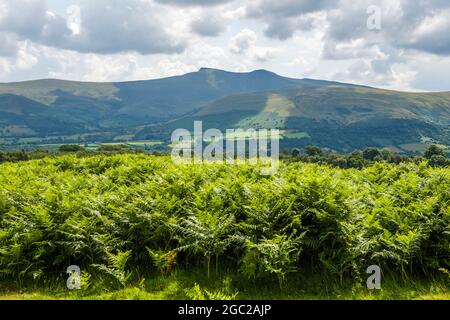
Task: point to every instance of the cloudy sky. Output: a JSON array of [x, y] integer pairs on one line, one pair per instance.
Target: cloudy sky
[[117, 40]]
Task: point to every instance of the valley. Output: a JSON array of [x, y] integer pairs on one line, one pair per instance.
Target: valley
[[336, 116]]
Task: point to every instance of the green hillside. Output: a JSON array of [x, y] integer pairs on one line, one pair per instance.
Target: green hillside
[[96, 106], [338, 103], [336, 117], [329, 114]]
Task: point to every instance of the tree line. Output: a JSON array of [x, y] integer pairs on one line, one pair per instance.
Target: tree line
[[434, 155]]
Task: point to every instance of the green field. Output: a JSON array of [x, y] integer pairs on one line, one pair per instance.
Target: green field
[[39, 143], [244, 135], [142, 227], [296, 135], [143, 143], [137, 144]]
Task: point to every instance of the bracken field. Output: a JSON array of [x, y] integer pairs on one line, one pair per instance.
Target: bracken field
[[142, 227]]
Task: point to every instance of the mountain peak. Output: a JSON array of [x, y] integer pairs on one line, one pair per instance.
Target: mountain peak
[[258, 71], [263, 71], [204, 69]]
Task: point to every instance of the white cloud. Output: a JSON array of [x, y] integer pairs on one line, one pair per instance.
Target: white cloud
[[243, 41], [357, 48], [263, 54], [234, 14], [5, 66], [143, 39], [27, 57], [307, 66], [74, 19]]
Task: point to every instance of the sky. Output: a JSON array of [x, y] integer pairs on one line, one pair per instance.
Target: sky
[[394, 44]]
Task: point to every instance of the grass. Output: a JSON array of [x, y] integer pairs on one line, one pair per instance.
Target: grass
[[183, 285]]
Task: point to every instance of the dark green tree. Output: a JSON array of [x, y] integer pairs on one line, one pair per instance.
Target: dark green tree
[[313, 151], [295, 152], [70, 148], [371, 153], [433, 150], [439, 161]]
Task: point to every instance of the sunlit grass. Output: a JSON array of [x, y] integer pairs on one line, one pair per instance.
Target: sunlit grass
[[180, 284]]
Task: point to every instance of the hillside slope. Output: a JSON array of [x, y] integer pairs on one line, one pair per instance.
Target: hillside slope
[[97, 106], [329, 114], [337, 117]]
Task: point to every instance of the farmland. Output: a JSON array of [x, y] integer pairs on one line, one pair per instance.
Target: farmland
[[53, 143], [140, 226]]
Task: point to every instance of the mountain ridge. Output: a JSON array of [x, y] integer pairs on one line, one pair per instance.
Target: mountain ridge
[[206, 69], [147, 109]]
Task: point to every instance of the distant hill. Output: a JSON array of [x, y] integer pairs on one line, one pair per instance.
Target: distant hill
[[330, 114], [334, 116], [112, 105]]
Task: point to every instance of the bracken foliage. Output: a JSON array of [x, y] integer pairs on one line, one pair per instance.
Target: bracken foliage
[[125, 216]]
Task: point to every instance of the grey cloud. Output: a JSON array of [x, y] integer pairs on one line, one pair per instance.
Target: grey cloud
[[208, 26], [283, 29], [106, 27], [398, 30], [287, 8], [23, 17], [30, 20], [243, 41], [350, 23], [439, 45], [412, 26], [9, 45], [280, 29], [346, 21], [110, 27], [432, 36], [285, 17], [186, 3]]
